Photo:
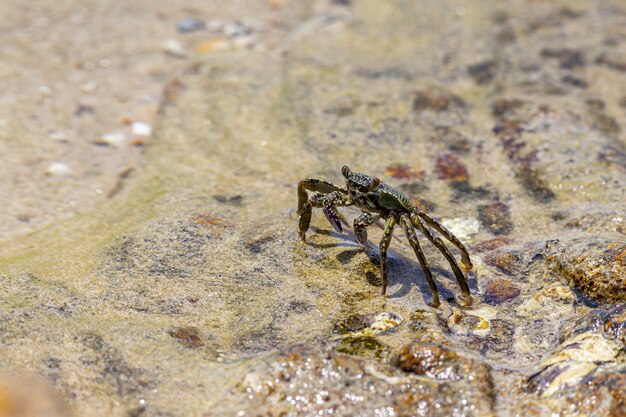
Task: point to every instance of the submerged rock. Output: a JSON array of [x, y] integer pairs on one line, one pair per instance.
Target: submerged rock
[[437, 362], [596, 267], [306, 382], [584, 376]]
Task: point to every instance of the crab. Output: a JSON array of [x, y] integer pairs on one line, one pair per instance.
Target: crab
[[379, 201]]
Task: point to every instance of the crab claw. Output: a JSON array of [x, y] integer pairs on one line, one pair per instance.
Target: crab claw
[[333, 217], [305, 221]]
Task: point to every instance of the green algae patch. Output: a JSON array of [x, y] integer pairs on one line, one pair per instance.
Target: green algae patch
[[362, 346]]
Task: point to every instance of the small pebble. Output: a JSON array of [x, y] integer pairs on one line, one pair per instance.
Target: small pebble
[[44, 90], [114, 139], [141, 129], [235, 29], [189, 25], [58, 168], [174, 48]]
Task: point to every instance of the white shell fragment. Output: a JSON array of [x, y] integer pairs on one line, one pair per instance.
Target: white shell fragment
[[141, 129], [383, 322], [58, 168], [114, 139], [174, 48]]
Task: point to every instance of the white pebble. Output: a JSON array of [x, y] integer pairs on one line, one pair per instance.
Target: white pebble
[[58, 168], [115, 139], [44, 90], [174, 48], [141, 129], [235, 29]]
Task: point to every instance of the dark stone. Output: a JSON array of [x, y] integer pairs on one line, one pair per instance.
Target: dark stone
[[189, 25], [483, 72]]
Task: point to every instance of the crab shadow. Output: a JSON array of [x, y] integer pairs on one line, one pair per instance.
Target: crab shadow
[[402, 269]]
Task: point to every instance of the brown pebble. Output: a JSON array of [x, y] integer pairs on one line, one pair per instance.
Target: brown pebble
[[430, 360], [498, 291], [188, 336]]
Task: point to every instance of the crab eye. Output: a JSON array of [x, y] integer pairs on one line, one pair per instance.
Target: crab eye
[[345, 171], [374, 184]]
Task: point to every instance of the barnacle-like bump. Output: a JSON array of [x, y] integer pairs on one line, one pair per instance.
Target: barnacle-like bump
[[374, 184]]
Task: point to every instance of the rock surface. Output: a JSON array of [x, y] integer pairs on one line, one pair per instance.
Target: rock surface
[[150, 263], [305, 382], [595, 267]]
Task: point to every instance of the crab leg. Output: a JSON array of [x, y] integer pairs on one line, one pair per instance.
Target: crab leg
[[417, 222], [382, 227], [465, 259], [328, 202], [409, 231], [384, 244], [313, 184], [360, 224]]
